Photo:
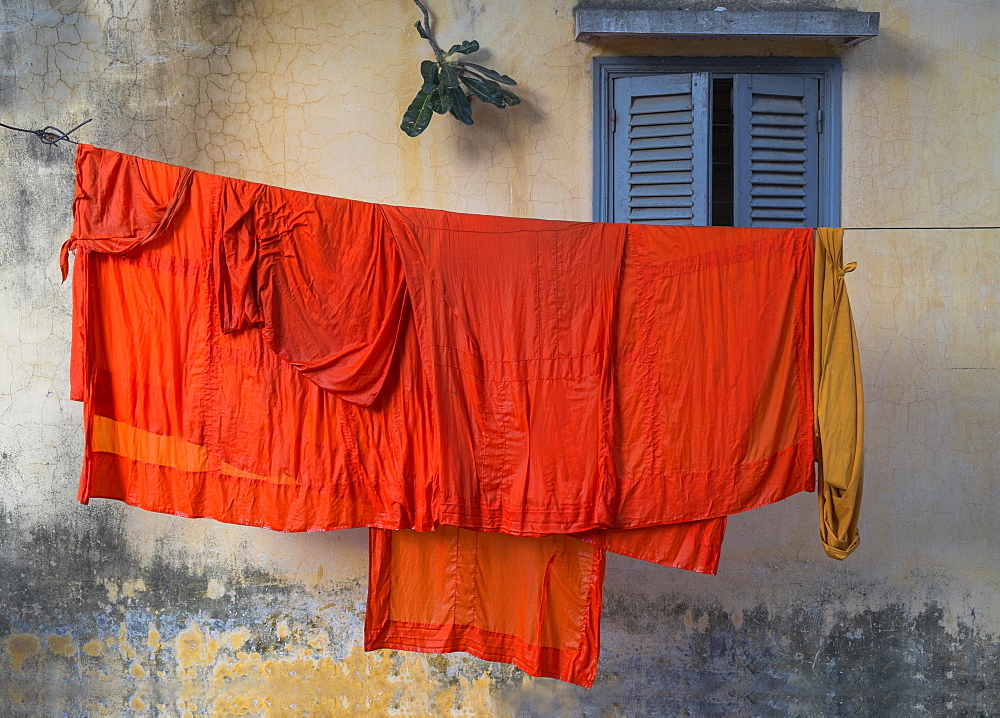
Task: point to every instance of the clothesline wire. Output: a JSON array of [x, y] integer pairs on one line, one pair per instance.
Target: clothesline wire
[[49, 135], [866, 229]]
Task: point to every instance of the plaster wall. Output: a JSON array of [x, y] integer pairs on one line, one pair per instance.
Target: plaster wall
[[108, 610]]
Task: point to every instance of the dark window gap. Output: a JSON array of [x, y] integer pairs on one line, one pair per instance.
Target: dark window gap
[[722, 153]]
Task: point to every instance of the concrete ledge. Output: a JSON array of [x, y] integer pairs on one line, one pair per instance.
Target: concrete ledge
[[847, 26]]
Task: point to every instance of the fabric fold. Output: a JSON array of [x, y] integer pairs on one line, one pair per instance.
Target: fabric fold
[[118, 208], [515, 321], [713, 372], [692, 545], [534, 602], [323, 279]]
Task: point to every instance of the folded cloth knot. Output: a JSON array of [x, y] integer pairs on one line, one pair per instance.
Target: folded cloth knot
[[847, 268]]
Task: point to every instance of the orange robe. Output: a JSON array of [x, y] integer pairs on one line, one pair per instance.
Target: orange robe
[[282, 359]]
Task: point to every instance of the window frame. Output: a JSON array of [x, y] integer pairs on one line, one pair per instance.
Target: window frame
[[827, 69]]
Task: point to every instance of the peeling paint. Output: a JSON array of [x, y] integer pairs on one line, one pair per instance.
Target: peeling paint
[[216, 589], [61, 645], [20, 648], [93, 647]]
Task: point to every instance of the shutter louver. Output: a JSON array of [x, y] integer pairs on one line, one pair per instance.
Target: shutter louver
[[776, 150], [661, 149]]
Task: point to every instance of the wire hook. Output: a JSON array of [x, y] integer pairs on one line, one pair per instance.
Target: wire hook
[[49, 135]]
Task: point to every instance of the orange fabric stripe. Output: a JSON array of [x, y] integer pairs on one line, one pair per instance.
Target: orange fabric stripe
[[115, 437]]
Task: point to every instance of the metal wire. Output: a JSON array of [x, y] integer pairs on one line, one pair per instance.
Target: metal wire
[[53, 135], [49, 135], [921, 229]]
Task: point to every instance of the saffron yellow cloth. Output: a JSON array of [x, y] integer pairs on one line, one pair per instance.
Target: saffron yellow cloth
[[837, 391]]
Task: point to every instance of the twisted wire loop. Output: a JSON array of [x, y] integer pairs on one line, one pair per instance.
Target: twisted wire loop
[[49, 135]]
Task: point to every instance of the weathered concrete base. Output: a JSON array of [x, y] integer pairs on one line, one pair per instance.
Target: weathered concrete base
[[92, 627]]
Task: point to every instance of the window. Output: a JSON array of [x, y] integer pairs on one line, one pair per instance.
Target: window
[[741, 142]]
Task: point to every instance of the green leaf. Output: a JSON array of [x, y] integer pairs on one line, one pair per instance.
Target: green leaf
[[444, 99], [492, 74], [449, 76], [418, 114], [420, 30], [429, 70], [509, 96], [483, 91], [466, 48], [436, 102], [462, 108]]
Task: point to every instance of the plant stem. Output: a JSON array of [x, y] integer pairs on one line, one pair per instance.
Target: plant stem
[[438, 52]]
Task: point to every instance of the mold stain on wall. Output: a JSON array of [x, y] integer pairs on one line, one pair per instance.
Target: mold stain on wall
[[163, 640], [160, 639]]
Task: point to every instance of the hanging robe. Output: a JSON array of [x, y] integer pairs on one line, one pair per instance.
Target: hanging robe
[[299, 362]]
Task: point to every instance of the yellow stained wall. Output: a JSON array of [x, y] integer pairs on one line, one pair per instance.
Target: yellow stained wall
[[113, 611]]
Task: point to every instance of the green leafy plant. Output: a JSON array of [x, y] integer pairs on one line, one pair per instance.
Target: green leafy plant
[[450, 83]]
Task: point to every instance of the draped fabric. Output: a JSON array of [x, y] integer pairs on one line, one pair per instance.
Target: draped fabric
[[482, 392], [531, 601], [839, 425]]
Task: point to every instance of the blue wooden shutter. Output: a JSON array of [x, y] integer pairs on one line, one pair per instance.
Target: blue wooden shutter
[[660, 149], [776, 143]]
